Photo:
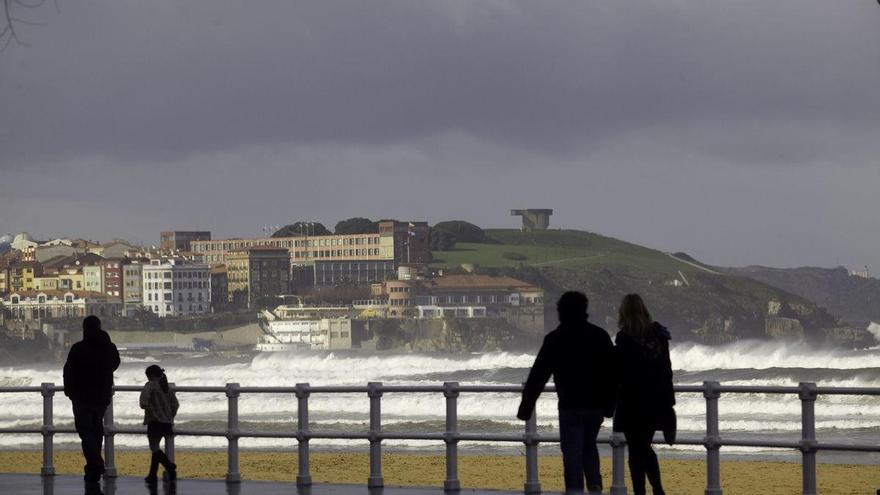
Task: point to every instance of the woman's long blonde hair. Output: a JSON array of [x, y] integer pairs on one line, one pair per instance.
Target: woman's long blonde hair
[[634, 318]]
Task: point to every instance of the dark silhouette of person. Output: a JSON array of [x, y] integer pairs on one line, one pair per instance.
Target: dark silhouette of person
[[579, 356], [88, 382], [645, 397]]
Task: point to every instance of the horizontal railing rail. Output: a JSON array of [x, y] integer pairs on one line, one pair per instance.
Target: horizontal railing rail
[[712, 441]]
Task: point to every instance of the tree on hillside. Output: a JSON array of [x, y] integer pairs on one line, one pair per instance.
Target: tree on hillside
[[440, 240], [302, 228], [356, 225], [465, 231]]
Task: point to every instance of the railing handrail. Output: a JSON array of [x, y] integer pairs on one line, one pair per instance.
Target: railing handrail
[[808, 445], [347, 389]]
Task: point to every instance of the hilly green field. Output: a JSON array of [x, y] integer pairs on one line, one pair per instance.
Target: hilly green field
[[695, 300]]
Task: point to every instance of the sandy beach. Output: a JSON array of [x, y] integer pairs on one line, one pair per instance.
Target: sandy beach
[[484, 471]]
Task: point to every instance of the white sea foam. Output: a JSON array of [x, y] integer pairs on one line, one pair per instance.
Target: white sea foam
[[739, 412], [764, 355]]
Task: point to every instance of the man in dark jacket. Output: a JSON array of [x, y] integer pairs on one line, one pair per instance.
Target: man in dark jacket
[[579, 356], [88, 382]]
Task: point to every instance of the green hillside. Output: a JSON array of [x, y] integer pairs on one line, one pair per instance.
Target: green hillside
[[562, 248], [698, 302]]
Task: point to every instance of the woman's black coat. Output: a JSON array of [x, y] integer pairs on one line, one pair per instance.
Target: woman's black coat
[[644, 371]]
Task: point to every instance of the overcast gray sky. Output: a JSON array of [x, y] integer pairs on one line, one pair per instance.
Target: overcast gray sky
[[739, 131]]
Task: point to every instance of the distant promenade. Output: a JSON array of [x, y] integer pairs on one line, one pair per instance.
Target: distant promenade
[[22, 484]]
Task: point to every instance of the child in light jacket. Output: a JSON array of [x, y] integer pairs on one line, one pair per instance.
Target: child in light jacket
[[160, 407]]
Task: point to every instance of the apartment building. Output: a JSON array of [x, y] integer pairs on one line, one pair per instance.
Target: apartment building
[[257, 272], [180, 240], [132, 286], [219, 288], [175, 287], [334, 259], [93, 275], [112, 277]]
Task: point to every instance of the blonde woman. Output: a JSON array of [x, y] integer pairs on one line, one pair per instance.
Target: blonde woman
[[645, 397]]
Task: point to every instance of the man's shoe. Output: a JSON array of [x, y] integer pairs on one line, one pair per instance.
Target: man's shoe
[[151, 479]]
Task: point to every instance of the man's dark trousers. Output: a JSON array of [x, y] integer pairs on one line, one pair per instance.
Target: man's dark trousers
[[578, 429], [89, 422]]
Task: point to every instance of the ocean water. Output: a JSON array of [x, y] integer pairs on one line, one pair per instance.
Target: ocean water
[[840, 419]]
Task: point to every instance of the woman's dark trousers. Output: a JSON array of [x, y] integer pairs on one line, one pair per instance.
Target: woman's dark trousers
[[643, 461], [578, 429]]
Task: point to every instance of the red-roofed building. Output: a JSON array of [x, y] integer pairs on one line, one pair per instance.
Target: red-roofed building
[[465, 296]]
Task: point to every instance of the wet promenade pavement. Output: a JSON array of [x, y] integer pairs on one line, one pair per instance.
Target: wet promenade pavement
[[28, 484]]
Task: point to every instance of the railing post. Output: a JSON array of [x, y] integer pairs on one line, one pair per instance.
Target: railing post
[[450, 391], [232, 474], [109, 443], [48, 429], [712, 441], [48, 485], [532, 484], [374, 391], [808, 442], [618, 459], [303, 477]]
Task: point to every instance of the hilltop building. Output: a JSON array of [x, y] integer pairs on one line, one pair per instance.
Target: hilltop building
[[866, 273], [533, 219]]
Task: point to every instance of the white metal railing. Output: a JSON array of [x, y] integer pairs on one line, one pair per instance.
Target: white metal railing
[[808, 445]]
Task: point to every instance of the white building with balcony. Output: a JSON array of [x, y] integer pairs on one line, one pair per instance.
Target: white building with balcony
[[290, 335]]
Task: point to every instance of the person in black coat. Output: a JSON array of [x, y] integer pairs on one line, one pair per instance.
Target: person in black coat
[[88, 382], [645, 398], [579, 356]]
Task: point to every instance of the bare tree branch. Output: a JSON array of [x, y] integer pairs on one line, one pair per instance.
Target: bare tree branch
[[9, 20]]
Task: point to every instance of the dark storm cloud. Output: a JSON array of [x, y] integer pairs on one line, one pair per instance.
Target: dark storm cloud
[[739, 131], [141, 80]]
